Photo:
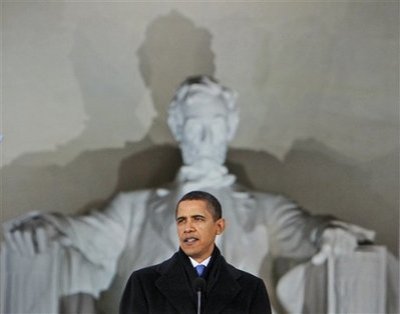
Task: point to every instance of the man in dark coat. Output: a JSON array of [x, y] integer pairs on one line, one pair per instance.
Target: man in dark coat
[[169, 287]]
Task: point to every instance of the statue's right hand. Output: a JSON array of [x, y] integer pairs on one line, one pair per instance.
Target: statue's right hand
[[31, 234]]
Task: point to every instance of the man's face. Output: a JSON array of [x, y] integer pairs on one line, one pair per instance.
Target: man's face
[[197, 229], [205, 130]]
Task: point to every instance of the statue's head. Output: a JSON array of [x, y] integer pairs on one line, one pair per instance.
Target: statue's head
[[203, 117]]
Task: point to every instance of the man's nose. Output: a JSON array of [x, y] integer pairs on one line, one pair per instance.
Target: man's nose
[[188, 227]]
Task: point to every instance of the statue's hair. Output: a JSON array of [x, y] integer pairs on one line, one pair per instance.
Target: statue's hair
[[192, 86], [213, 204]]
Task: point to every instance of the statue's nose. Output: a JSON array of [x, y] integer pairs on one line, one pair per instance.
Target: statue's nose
[[206, 135]]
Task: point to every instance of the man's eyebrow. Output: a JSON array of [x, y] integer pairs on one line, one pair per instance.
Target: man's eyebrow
[[198, 215], [192, 216]]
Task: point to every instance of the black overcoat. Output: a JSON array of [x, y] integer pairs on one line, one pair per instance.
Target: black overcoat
[[167, 288]]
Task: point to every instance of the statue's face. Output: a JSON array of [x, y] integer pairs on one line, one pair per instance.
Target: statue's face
[[205, 130]]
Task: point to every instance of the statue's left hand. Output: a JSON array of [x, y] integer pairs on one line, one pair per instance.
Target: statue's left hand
[[333, 242]]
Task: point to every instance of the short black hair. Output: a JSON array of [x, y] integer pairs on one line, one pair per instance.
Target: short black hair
[[213, 204]]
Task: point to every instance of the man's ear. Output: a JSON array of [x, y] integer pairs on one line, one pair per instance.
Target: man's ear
[[220, 225]]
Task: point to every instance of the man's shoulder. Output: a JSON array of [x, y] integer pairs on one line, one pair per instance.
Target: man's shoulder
[[146, 273], [244, 274], [240, 274], [156, 269], [249, 281]]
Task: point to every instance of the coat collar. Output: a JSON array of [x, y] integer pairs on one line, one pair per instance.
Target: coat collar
[[175, 285], [177, 275], [222, 285]]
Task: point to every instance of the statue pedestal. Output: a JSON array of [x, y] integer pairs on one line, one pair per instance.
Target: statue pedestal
[[24, 290], [357, 282], [353, 283]]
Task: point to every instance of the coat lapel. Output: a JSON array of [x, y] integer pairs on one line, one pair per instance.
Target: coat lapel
[[222, 287], [174, 285]]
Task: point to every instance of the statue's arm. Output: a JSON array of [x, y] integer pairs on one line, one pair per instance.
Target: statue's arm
[[87, 246], [297, 233], [99, 236]]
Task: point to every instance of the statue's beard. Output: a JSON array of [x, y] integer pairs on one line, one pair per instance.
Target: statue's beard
[[204, 168], [203, 156]]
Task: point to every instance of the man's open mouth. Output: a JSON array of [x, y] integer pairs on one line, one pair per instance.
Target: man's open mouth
[[190, 240]]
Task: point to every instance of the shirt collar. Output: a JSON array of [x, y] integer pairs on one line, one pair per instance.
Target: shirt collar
[[195, 263]]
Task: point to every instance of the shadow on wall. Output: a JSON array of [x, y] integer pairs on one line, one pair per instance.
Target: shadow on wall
[[173, 49]]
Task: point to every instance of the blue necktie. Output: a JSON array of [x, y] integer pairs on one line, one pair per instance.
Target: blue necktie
[[200, 269]]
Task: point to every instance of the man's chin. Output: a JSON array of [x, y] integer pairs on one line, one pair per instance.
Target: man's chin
[[189, 251]]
